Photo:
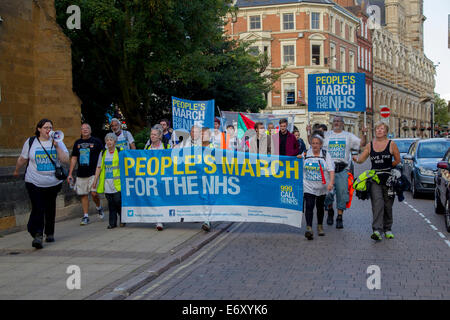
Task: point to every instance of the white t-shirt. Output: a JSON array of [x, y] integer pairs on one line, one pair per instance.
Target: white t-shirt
[[41, 171], [339, 145], [124, 140], [216, 139], [109, 181], [312, 177]]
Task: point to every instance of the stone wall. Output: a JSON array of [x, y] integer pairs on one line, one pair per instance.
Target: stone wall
[[15, 205], [35, 75]]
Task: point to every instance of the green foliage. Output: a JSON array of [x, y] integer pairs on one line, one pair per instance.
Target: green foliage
[[141, 138], [441, 112], [137, 54]]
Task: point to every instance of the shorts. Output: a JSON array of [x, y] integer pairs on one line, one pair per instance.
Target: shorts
[[84, 185]]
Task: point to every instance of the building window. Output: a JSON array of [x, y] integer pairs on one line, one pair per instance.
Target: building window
[[332, 24], [315, 54], [255, 23], [333, 56], [366, 65], [351, 37], [342, 59], [351, 62], [315, 20], [289, 93], [289, 54], [362, 58], [254, 51], [342, 29], [359, 57], [362, 28], [370, 65], [288, 21]]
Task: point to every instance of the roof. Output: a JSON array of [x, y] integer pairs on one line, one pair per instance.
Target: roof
[[260, 3]]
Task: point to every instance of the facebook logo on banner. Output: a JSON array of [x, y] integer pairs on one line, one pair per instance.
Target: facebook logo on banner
[[130, 213], [172, 213]]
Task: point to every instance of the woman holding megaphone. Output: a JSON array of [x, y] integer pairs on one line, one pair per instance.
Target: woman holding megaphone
[[43, 154]]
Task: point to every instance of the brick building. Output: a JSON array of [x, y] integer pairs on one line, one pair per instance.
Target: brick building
[[305, 37], [35, 75]]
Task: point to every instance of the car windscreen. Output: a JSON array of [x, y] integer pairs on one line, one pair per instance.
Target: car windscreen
[[433, 149], [403, 145]]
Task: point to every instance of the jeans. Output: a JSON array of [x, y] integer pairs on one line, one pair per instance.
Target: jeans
[[43, 209], [341, 191], [115, 207], [311, 201]]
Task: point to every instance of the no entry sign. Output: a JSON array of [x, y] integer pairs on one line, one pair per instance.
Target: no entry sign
[[385, 112]]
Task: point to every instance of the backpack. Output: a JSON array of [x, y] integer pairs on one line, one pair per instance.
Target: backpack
[[30, 143]]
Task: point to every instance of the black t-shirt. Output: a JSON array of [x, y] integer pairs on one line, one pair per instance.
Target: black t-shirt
[[87, 152], [283, 140]]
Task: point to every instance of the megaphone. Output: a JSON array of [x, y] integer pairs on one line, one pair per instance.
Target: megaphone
[[56, 135]]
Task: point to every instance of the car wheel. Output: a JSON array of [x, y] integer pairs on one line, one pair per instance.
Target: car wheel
[[413, 188], [438, 207], [447, 215]]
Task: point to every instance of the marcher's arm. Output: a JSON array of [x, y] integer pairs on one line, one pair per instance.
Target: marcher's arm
[[133, 146], [97, 174], [73, 163], [331, 183], [63, 156], [394, 150], [363, 156], [19, 164]]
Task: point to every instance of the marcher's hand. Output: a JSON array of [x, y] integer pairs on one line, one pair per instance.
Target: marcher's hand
[[300, 156], [355, 158], [330, 187], [16, 173], [308, 128], [69, 179], [364, 130]]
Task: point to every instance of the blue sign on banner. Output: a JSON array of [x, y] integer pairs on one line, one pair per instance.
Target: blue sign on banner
[[344, 92], [187, 113], [205, 184]]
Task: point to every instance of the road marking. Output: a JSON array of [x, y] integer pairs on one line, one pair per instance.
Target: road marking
[[214, 249], [405, 202], [429, 222]]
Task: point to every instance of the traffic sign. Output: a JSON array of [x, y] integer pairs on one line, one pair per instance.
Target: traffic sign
[[385, 112]]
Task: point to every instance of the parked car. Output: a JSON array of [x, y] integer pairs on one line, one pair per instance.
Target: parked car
[[442, 190], [403, 145], [420, 163]]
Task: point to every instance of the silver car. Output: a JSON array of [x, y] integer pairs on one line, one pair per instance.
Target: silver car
[[420, 164]]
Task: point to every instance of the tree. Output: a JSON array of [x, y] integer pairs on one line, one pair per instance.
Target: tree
[[136, 54], [441, 112]]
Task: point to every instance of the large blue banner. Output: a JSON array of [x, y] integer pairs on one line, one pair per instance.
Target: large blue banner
[[204, 184], [344, 92], [187, 113]]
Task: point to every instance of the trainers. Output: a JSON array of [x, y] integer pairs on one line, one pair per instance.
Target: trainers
[[330, 220], [159, 227], [389, 235], [320, 231], [309, 233], [206, 226], [37, 242], [339, 222], [111, 227], [122, 224], [84, 221], [101, 214], [49, 238], [376, 236]]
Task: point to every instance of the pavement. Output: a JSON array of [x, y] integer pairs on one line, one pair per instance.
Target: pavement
[[112, 263]]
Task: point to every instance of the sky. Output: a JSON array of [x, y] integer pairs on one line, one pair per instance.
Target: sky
[[436, 42]]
